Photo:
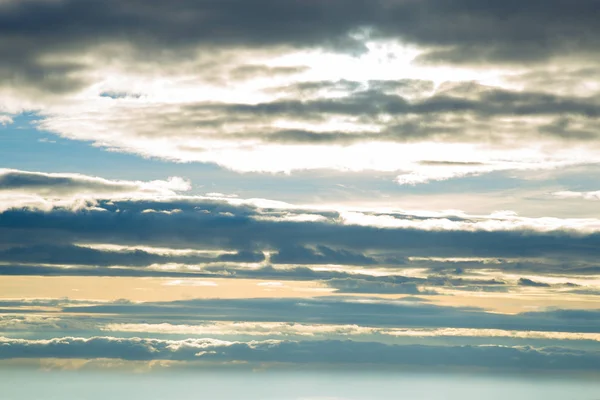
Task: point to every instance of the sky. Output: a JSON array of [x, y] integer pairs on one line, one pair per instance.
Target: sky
[[299, 199]]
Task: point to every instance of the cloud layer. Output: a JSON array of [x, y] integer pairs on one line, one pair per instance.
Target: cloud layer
[[274, 88], [316, 352], [367, 108]]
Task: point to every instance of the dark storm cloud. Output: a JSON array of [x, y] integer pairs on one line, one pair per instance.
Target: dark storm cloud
[[302, 352]]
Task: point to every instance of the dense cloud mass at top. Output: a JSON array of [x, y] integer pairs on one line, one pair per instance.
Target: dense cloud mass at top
[[276, 86], [463, 31]]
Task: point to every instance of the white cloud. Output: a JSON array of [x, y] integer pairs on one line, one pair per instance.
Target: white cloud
[[300, 352], [172, 111], [297, 329], [496, 222], [190, 282], [76, 192], [595, 195], [5, 120]]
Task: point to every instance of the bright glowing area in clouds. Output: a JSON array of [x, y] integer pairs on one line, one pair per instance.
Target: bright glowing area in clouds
[[210, 121], [279, 329]]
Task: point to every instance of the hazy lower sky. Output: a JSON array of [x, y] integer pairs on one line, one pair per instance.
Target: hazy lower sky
[[276, 199]]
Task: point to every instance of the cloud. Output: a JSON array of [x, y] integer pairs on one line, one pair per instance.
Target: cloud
[[68, 184], [337, 310], [319, 255], [529, 282], [349, 285], [406, 92], [243, 231], [499, 33], [28, 322], [404, 321], [81, 255], [278, 135], [567, 194], [342, 279], [277, 329], [329, 352], [289, 92], [5, 120]]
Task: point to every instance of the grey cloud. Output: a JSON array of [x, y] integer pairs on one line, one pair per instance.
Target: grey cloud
[[458, 31], [446, 115], [494, 102], [529, 282], [79, 255], [35, 270], [570, 80], [320, 255], [68, 254], [298, 136], [37, 181], [339, 310], [83, 318], [510, 31], [399, 111], [557, 265], [34, 29], [483, 288], [303, 352], [249, 71], [343, 282], [58, 184], [206, 224], [404, 87], [464, 31], [312, 87], [566, 128], [349, 285], [466, 284], [587, 292]]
